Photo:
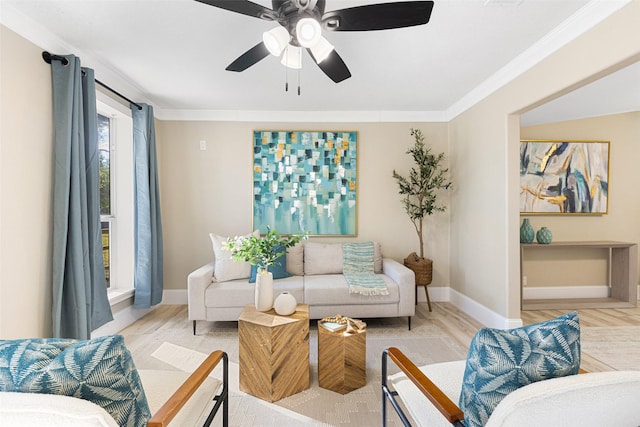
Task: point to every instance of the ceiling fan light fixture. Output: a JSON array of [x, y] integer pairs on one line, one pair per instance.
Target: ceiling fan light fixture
[[321, 50], [276, 40], [308, 32], [292, 57]]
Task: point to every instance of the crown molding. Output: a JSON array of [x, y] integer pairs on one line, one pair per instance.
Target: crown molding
[[300, 116], [577, 24], [586, 18]]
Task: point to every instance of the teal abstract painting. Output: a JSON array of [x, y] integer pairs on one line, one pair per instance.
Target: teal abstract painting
[[305, 182]]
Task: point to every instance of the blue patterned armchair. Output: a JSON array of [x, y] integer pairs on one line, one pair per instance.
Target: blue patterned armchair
[[523, 377], [61, 382]]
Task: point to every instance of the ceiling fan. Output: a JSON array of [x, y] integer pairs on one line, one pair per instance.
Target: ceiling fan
[[301, 23]]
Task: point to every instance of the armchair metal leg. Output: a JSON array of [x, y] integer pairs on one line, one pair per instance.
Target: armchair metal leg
[[194, 327], [409, 317], [223, 397], [389, 395]]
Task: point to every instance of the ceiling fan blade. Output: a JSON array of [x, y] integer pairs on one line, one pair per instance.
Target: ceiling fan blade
[[249, 58], [383, 16], [244, 7], [333, 66]]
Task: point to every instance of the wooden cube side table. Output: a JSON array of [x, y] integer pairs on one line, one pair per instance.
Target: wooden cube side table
[[274, 352], [342, 360]]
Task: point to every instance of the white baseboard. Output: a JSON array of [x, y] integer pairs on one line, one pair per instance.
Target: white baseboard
[[130, 314], [555, 292], [436, 293], [481, 313], [121, 320]]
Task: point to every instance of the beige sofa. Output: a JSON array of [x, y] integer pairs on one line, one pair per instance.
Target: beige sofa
[[316, 279]]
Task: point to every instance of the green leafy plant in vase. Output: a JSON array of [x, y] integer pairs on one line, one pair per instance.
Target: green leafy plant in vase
[[263, 252], [419, 191]]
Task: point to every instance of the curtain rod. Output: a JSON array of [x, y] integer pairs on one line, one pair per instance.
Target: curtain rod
[[49, 57]]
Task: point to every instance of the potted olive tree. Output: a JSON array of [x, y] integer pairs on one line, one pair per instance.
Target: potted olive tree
[[419, 191]]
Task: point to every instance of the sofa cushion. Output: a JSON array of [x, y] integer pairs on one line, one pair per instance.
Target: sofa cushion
[[322, 258], [501, 361], [278, 270], [332, 289], [225, 268], [100, 370], [295, 259]]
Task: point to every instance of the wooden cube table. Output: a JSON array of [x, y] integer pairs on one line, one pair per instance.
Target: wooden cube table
[[274, 352], [342, 360]]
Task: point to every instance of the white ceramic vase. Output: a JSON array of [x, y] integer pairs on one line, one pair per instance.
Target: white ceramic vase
[[285, 304], [264, 291]]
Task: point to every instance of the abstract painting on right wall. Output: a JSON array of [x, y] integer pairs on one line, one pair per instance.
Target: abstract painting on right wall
[[564, 177]]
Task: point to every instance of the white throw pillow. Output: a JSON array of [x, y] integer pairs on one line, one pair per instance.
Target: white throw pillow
[[225, 268]]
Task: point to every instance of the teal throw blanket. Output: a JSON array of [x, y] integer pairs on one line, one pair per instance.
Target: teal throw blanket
[[357, 266]]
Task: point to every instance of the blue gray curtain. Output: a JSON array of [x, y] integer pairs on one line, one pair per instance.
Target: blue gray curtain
[[80, 302], [148, 279]]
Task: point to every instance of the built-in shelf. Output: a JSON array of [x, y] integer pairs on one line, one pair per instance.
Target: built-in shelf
[[622, 276]]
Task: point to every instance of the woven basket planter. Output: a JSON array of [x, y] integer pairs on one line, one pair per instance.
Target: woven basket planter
[[421, 267]]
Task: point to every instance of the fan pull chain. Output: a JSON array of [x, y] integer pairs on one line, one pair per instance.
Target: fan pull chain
[[300, 61], [286, 77]]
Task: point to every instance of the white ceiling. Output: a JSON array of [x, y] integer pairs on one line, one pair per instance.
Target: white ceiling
[[173, 54]]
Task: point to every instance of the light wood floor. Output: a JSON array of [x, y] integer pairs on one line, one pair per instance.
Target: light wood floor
[[460, 327]]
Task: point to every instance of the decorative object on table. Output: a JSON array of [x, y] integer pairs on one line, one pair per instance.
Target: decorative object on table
[[526, 232], [543, 236], [266, 253], [339, 322], [564, 177], [263, 299], [285, 304], [305, 181], [342, 354], [420, 190]]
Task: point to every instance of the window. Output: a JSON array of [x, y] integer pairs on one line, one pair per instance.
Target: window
[[115, 146], [104, 148]]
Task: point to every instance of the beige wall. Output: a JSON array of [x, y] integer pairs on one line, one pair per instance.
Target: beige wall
[[621, 223], [475, 246], [26, 185], [211, 191], [485, 211]]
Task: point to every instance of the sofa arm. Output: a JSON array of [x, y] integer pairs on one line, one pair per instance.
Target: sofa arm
[[197, 283], [406, 281]]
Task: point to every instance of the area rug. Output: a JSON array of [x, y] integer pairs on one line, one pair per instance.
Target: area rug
[[617, 347], [315, 406]]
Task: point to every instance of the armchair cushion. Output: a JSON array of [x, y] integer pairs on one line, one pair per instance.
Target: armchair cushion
[[51, 410], [501, 361], [99, 370]]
